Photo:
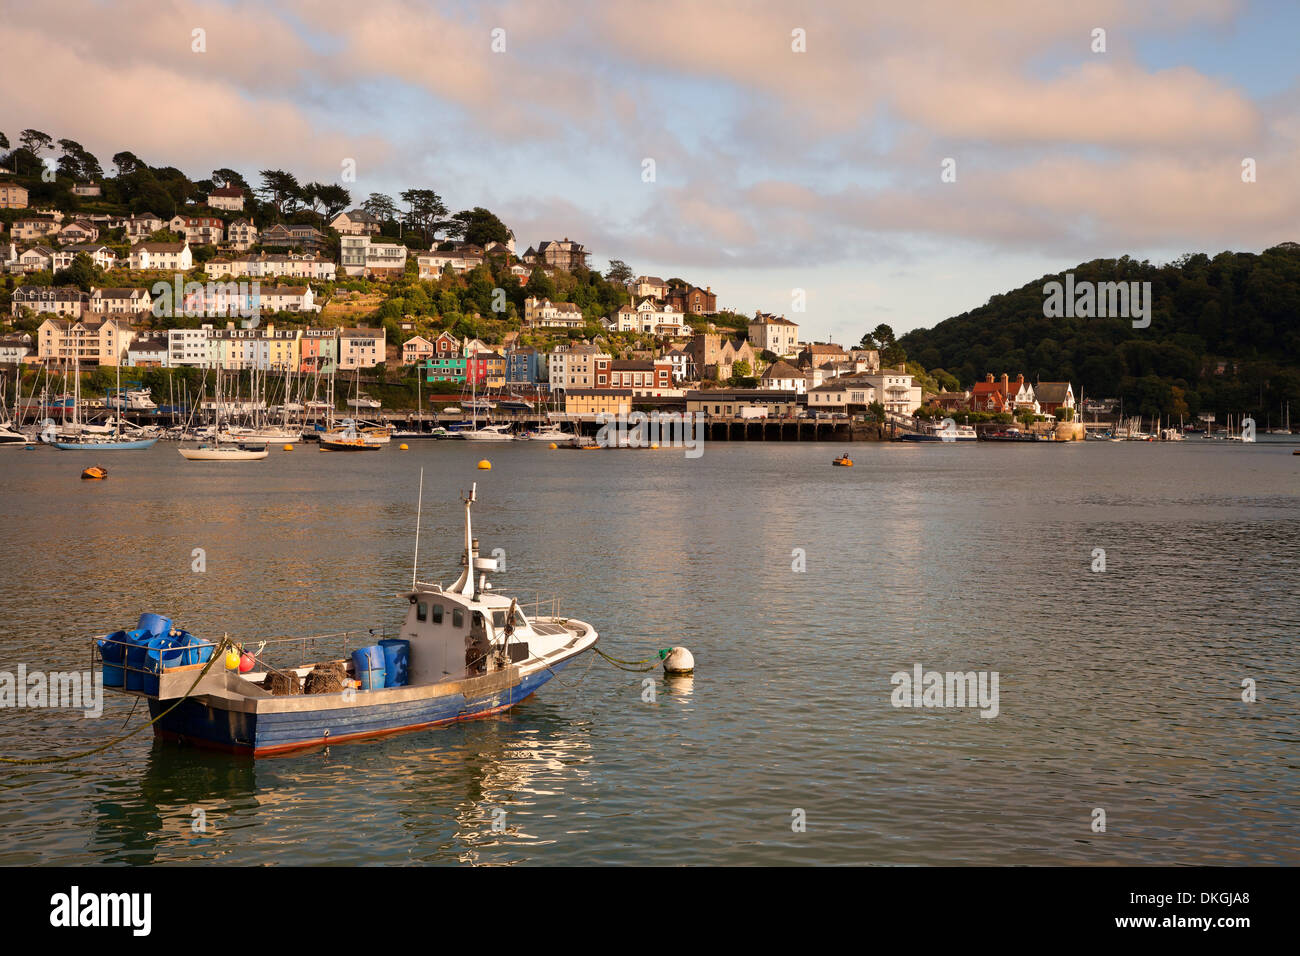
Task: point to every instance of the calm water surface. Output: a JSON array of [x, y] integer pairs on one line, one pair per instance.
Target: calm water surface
[[1118, 690]]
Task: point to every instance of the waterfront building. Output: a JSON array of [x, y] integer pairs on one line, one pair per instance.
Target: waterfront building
[[895, 388], [149, 351], [784, 377], [1054, 396], [734, 402], [842, 395], [445, 368], [88, 341], [319, 351], [775, 334], [416, 349], [576, 365], [597, 401], [361, 348], [525, 365]]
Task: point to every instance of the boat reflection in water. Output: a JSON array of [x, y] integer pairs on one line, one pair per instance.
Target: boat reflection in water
[[467, 793]]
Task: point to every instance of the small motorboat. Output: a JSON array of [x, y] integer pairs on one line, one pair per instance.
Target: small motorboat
[[94, 473], [844, 461]]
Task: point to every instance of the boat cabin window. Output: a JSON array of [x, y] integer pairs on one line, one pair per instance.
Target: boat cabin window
[[437, 614], [422, 611], [457, 618], [499, 618]]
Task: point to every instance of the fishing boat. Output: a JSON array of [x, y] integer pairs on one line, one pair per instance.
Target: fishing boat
[[223, 452], [464, 651]]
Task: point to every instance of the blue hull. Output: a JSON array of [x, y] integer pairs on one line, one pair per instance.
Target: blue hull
[[265, 734], [104, 446]]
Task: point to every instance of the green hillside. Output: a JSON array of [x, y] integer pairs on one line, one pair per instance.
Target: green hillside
[[1224, 336]]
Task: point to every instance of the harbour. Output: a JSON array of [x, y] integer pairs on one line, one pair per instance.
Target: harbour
[[1118, 688]]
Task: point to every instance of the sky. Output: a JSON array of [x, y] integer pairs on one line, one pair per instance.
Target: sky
[[789, 155]]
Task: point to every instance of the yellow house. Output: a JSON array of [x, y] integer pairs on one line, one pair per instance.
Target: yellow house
[[597, 401]]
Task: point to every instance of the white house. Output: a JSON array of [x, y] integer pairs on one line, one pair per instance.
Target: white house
[[227, 197], [162, 257], [188, 347], [781, 376], [241, 234], [544, 313], [102, 256], [776, 334]]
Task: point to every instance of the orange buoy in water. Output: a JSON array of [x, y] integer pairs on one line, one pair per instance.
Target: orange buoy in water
[[554, 446], [95, 473], [485, 465], [404, 447], [288, 448]]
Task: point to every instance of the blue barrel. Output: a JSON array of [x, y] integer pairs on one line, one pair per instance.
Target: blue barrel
[[112, 651], [136, 648], [397, 659], [155, 624], [160, 654], [369, 665], [197, 650]]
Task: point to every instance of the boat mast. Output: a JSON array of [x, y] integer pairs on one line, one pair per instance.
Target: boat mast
[[465, 583]]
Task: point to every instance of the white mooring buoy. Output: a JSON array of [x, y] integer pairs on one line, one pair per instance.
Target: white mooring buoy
[[679, 661]]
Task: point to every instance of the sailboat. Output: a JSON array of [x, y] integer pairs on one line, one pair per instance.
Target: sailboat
[[92, 443], [1285, 427], [487, 432]]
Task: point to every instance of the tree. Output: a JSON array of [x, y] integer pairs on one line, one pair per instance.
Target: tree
[[281, 189], [381, 207], [224, 177], [480, 227], [4, 141], [127, 163], [77, 163], [618, 271], [427, 211], [876, 412], [334, 199], [83, 273], [35, 142]]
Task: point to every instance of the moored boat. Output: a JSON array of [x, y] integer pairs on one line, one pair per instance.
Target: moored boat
[[245, 451], [464, 651]]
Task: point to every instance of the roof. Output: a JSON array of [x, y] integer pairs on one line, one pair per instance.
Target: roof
[[782, 369], [772, 320], [816, 348], [1054, 393], [119, 293], [233, 192]]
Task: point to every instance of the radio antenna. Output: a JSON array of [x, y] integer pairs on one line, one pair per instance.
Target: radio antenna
[[415, 565]]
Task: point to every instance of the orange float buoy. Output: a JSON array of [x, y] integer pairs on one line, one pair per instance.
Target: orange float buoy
[[485, 465], [245, 663]]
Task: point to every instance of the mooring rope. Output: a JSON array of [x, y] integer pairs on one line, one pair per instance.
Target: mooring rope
[[651, 662], [217, 654]]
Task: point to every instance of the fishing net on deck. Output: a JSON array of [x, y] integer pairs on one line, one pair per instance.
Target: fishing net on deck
[[326, 678], [283, 683]]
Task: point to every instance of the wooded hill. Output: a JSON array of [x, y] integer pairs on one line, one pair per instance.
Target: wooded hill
[[1224, 337]]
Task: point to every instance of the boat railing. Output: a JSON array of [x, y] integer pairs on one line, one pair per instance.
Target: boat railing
[[271, 653]]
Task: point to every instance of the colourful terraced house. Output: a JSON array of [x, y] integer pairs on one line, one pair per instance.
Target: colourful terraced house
[[445, 368]]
